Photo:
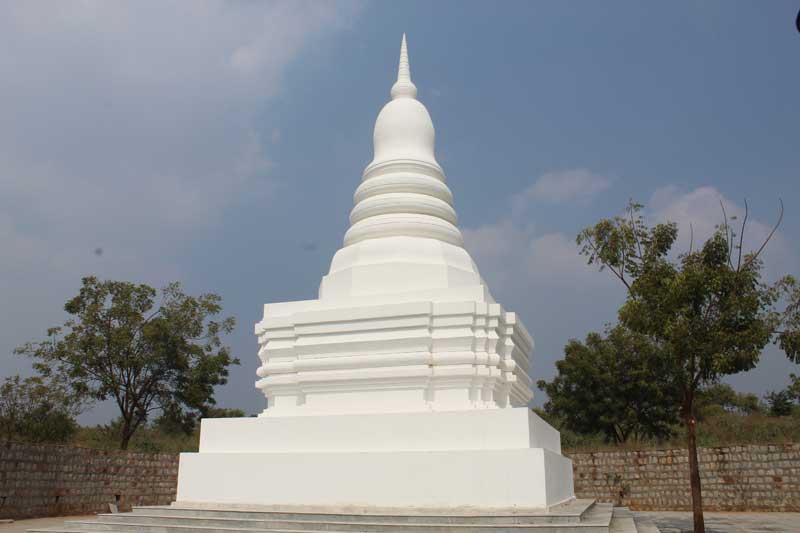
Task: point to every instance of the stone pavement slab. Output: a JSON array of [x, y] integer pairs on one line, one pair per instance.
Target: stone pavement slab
[[680, 522], [20, 526]]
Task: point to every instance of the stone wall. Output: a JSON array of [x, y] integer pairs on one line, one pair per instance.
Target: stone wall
[[49, 480], [736, 478]]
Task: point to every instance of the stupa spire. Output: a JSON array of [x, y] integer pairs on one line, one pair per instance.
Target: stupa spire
[[404, 87]]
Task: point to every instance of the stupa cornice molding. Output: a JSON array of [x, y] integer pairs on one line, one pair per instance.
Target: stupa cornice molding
[[414, 166]]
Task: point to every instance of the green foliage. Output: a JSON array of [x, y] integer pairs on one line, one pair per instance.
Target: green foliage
[[147, 356], [32, 410], [720, 398], [169, 423], [794, 388], [780, 403], [149, 438], [788, 330], [222, 412], [707, 309], [616, 385], [786, 401], [721, 428]]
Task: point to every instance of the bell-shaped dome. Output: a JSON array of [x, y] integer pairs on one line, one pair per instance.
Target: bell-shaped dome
[[403, 235], [404, 129]]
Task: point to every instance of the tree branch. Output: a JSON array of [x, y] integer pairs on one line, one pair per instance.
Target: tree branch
[[741, 235], [728, 234], [764, 244], [605, 264]]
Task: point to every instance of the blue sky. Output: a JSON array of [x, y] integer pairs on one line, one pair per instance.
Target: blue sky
[[219, 144]]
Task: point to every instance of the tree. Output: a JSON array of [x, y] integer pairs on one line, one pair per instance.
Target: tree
[[614, 384], [788, 327], [173, 423], [722, 397], [147, 356], [794, 388], [780, 403], [224, 412], [32, 410], [707, 309]]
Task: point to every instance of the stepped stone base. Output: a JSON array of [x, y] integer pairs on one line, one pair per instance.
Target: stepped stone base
[[500, 458], [533, 477], [576, 516]]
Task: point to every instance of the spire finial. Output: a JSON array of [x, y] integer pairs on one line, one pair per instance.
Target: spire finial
[[404, 87], [403, 70]]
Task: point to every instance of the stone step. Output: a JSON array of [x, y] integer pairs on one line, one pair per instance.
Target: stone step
[[593, 519], [199, 524], [568, 513], [622, 521], [93, 527], [367, 525]]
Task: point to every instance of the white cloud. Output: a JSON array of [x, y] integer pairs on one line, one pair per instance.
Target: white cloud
[[511, 251], [698, 212], [132, 127], [513, 257], [543, 277], [558, 187], [135, 123]]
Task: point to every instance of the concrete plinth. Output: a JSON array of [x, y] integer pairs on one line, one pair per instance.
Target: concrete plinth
[[498, 458], [481, 478]]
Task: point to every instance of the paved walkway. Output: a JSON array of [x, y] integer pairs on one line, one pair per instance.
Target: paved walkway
[[667, 522], [20, 526], [680, 522]]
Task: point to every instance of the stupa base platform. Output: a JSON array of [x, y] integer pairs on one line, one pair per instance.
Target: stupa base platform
[[529, 478], [576, 516], [501, 458]]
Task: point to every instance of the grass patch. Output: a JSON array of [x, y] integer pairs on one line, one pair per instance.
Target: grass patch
[[720, 429], [146, 439]]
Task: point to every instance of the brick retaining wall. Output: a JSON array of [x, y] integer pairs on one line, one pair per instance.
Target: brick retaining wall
[[735, 478], [49, 480]]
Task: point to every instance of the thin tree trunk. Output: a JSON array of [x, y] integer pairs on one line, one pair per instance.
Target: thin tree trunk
[[127, 433], [694, 474]]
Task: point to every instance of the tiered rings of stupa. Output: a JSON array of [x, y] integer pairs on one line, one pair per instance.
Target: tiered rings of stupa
[[403, 191]]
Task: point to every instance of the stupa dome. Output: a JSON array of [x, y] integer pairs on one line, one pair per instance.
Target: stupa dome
[[404, 130], [403, 322], [403, 235]]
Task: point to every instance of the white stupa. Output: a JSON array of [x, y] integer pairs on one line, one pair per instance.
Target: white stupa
[[404, 384]]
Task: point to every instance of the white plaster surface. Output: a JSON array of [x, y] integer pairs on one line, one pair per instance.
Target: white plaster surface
[[498, 429], [404, 384], [404, 321], [419, 355], [531, 478]]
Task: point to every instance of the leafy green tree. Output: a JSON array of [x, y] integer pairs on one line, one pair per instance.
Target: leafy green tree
[[173, 423], [783, 402], [708, 309], [794, 388], [780, 403], [146, 355], [616, 384], [32, 410], [718, 397], [788, 328], [223, 412]]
